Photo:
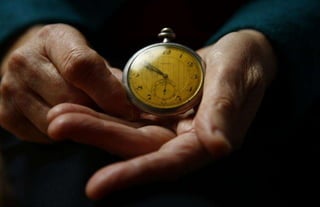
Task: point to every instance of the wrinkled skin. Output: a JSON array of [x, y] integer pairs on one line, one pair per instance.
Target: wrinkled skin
[[239, 67], [49, 65]]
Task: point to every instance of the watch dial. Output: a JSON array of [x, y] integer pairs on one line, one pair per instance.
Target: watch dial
[[165, 76]]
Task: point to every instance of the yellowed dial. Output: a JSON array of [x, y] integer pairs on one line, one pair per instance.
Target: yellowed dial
[[164, 78]]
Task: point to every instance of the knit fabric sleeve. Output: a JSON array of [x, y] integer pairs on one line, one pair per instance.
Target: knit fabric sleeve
[[17, 15]]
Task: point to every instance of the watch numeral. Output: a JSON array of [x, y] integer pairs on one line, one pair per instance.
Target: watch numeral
[[166, 52], [135, 74], [190, 64]]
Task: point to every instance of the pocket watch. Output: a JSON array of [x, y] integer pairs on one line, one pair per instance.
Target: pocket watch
[[164, 78]]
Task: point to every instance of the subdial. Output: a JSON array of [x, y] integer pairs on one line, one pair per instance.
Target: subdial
[[165, 89]]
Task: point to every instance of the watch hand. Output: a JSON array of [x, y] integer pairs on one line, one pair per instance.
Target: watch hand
[[165, 87], [155, 69]]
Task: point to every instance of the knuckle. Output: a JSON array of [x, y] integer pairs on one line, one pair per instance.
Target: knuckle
[[45, 31], [13, 96], [17, 60], [255, 79], [50, 30], [225, 105], [7, 88], [79, 64], [74, 62]]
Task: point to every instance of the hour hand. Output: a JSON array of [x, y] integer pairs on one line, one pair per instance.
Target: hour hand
[[155, 69]]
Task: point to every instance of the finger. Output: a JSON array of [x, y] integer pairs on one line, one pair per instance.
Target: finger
[[85, 69], [18, 125], [19, 100], [228, 104], [181, 155], [219, 107], [216, 114], [25, 130], [40, 75], [81, 125], [76, 108]]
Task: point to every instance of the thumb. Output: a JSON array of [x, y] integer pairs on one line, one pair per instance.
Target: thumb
[[84, 68], [233, 89]]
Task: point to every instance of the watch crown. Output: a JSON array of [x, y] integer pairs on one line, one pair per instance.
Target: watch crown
[[167, 34]]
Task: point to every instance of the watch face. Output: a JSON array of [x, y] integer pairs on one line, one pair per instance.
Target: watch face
[[164, 78]]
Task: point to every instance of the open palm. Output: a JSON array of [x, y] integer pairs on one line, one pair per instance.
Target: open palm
[[156, 151]]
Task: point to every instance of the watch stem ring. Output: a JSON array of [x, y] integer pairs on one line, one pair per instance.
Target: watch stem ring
[[168, 34]]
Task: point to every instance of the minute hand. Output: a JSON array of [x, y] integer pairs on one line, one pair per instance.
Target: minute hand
[[155, 69]]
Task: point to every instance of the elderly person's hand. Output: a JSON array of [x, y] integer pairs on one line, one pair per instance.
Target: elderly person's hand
[[239, 68], [49, 65]]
